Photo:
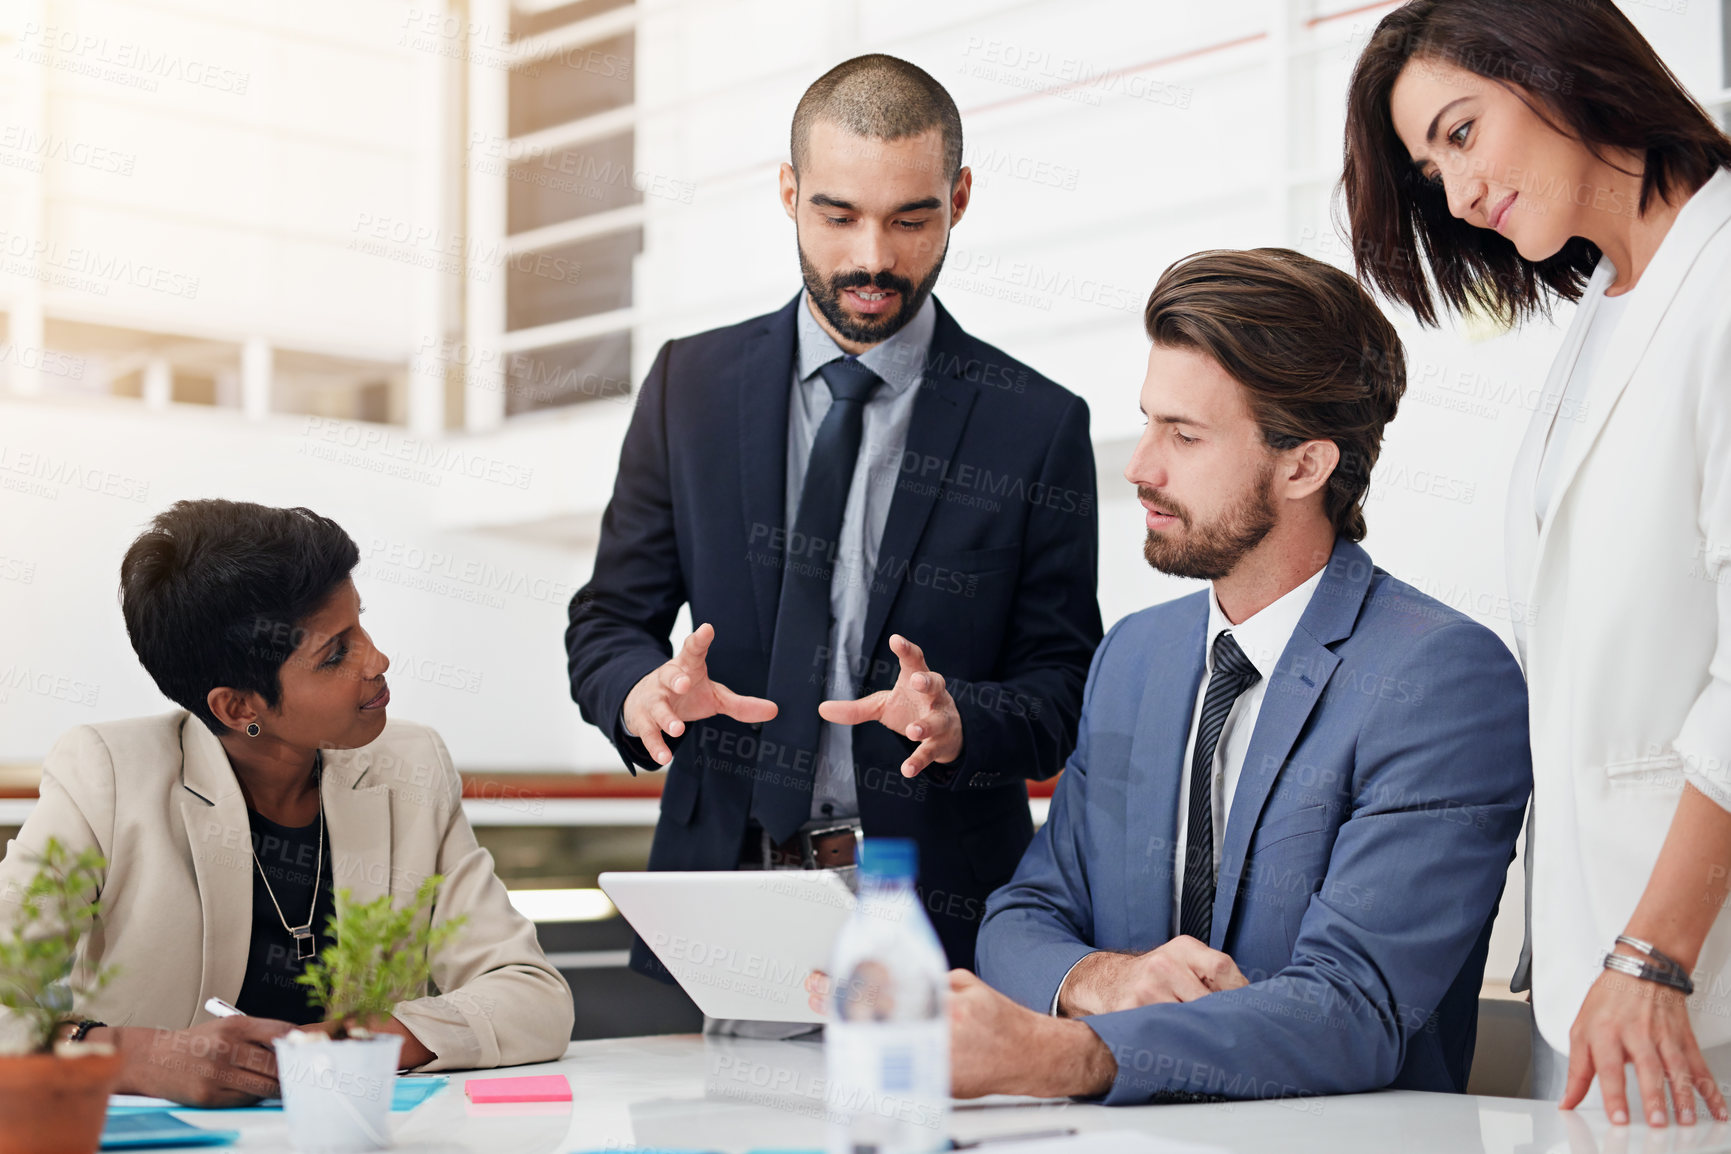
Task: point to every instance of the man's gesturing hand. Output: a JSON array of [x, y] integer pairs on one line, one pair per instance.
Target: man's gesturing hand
[[681, 691], [919, 708], [1182, 970]]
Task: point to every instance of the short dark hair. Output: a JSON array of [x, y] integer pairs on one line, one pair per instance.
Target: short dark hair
[[881, 98], [1318, 359], [214, 593], [1584, 69]]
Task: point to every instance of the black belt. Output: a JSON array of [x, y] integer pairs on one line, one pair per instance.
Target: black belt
[[823, 845]]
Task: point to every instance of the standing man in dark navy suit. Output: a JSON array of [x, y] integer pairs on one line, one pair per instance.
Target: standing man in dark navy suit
[[885, 530]]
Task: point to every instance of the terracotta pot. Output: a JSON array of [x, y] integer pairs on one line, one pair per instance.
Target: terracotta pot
[[54, 1105]]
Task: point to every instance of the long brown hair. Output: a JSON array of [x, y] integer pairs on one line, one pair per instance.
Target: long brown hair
[[1584, 69], [1317, 358]]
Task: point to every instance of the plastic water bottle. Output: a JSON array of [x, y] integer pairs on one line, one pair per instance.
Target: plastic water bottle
[[887, 1041]]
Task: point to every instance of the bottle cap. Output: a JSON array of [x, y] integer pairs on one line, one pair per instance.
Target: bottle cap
[[889, 857]]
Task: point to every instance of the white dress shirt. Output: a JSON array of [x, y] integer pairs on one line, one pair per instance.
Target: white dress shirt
[[1571, 409], [1263, 639]]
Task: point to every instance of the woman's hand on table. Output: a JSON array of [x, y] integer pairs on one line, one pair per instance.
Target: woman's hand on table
[[222, 1063], [1626, 1019], [413, 1055]]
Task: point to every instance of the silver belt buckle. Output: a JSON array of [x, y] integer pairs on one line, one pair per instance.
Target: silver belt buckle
[[808, 852]]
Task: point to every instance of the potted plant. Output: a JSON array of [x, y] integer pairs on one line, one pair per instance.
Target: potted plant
[[337, 1085], [53, 1098]]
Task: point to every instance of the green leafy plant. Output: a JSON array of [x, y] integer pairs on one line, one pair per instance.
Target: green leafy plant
[[37, 959], [380, 956]]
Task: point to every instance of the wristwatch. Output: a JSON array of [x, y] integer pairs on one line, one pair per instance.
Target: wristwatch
[[84, 1027]]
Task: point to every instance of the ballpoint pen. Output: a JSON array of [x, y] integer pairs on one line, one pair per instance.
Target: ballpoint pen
[[1025, 1136]]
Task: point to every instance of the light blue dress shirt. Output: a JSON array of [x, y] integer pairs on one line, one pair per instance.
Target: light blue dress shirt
[[901, 362]]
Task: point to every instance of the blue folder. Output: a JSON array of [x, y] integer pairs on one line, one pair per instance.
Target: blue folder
[[405, 1095], [146, 1128]]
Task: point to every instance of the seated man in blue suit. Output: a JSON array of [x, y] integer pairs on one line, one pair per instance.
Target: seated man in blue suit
[[1273, 860]]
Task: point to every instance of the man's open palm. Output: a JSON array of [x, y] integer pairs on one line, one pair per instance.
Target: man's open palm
[[918, 706], [682, 691]]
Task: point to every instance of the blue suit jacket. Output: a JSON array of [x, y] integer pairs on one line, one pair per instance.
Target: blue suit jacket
[[987, 561], [1363, 859]]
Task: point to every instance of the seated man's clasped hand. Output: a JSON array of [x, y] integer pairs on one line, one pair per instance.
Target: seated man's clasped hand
[[1000, 1047]]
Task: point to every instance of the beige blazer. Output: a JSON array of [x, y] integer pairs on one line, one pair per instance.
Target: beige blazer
[[1627, 642], [157, 797]]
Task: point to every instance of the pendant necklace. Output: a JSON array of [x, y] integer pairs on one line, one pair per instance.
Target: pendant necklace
[[305, 948]]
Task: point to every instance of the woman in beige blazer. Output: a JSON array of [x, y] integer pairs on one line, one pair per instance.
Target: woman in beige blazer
[[1507, 156], [228, 825]]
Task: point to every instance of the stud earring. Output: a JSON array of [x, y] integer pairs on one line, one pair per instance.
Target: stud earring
[[252, 729]]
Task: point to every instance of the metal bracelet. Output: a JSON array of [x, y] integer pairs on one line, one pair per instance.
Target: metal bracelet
[[1650, 973], [1652, 951]]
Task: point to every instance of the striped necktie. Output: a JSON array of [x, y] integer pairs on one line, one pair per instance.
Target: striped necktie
[[1233, 674]]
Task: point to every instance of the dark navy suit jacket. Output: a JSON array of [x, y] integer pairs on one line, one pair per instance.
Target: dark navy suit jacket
[[988, 562], [1364, 855]]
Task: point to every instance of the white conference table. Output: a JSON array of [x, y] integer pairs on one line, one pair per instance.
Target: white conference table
[[690, 1093]]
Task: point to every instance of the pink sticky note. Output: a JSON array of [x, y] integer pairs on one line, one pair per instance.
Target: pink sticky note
[[542, 1088]]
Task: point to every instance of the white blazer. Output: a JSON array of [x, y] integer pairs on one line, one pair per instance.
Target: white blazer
[[1628, 645]]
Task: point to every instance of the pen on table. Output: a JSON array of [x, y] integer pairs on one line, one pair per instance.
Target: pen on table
[[1026, 1136]]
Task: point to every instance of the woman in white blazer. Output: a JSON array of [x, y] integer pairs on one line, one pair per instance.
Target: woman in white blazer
[[1503, 157], [228, 825]]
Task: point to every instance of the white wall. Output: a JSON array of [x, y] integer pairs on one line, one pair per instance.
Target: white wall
[[253, 142], [472, 622]]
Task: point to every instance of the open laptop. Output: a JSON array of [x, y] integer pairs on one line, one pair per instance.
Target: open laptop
[[740, 943]]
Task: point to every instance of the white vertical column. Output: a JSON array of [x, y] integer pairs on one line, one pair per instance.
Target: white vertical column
[[158, 383], [840, 31], [426, 381], [256, 367], [484, 288], [92, 373], [25, 330], [1725, 57], [1283, 18], [25, 315]]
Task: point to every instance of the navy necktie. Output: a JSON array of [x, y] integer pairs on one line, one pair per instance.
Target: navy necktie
[[1233, 674], [799, 660]]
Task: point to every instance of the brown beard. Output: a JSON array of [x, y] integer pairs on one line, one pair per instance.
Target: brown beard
[[1210, 552]]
